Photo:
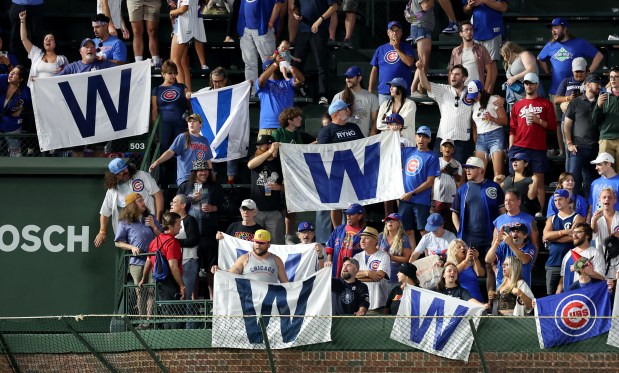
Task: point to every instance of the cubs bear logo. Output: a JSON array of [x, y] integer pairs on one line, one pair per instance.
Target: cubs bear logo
[[200, 155], [413, 166], [137, 185], [391, 57], [169, 95], [374, 265], [574, 315]]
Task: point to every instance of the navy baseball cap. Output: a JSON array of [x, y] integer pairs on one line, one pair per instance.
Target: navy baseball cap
[[520, 157], [561, 193], [519, 227], [353, 71], [394, 118], [355, 208], [87, 40], [393, 23], [557, 22], [305, 226], [424, 130], [117, 165], [398, 82]]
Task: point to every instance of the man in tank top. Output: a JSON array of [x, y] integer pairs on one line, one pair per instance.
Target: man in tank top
[[259, 263]]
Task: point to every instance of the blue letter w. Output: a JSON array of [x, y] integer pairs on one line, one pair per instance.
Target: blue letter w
[[86, 125], [330, 187], [290, 326], [437, 308]]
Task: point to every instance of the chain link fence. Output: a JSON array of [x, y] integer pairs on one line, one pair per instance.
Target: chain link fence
[[185, 333]]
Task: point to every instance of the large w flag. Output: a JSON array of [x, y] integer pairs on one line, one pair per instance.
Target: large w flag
[[300, 260], [435, 323], [225, 113], [332, 176], [293, 306], [92, 107], [572, 315]]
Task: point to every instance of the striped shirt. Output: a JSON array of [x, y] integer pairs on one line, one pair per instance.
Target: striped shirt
[[115, 14], [455, 120], [190, 24]]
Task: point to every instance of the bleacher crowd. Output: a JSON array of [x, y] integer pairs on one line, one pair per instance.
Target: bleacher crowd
[[474, 226]]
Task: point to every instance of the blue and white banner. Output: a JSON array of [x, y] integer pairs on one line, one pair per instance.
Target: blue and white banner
[[449, 337], [572, 315], [92, 107], [225, 112], [300, 260], [613, 333], [239, 300], [332, 176]]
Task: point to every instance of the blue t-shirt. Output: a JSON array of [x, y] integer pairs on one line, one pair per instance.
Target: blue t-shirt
[[561, 54], [468, 280], [487, 22], [557, 250], [252, 13], [391, 66], [510, 221], [171, 102], [275, 96], [20, 99], [113, 48], [418, 167], [578, 202], [198, 150], [311, 10], [80, 67], [596, 188], [504, 251], [477, 205], [567, 86], [384, 246], [137, 234]]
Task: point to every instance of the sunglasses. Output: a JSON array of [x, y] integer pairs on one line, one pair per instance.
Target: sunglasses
[[99, 46], [457, 102]]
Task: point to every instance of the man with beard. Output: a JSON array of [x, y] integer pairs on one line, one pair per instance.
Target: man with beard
[[89, 61], [364, 105], [474, 57], [349, 295], [514, 242], [455, 121], [259, 263], [531, 117], [375, 268], [581, 237], [121, 180], [109, 47], [560, 52]]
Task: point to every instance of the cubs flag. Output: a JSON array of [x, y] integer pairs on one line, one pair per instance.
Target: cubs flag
[[300, 260], [332, 176], [92, 107], [436, 323], [225, 113], [571, 316], [288, 311]]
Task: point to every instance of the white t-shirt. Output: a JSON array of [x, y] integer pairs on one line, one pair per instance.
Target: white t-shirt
[[433, 245], [483, 125], [379, 261], [591, 252], [470, 63], [444, 189]]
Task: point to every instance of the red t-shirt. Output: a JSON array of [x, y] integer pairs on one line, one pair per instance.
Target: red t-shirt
[[171, 249], [532, 136]]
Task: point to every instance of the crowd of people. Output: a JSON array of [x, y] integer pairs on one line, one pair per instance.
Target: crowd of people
[[477, 226]]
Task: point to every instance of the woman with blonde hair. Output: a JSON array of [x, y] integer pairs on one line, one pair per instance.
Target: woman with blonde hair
[[469, 267], [517, 62], [513, 297], [394, 241]]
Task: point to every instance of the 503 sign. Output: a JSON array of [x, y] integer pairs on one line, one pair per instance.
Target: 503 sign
[[139, 145]]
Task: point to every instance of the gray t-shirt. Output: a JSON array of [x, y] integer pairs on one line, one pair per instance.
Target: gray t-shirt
[[426, 19], [262, 269], [365, 104], [469, 61]]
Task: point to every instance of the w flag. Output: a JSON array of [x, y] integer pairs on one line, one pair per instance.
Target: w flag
[[92, 107], [300, 260], [613, 334], [332, 176], [435, 323], [289, 311], [225, 113], [572, 315]]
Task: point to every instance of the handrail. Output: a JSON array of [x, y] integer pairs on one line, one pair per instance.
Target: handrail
[[146, 160]]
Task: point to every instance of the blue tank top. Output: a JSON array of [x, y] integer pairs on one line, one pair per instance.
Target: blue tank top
[[468, 280], [557, 250]]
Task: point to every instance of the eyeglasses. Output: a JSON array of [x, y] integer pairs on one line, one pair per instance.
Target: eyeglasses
[[216, 82], [457, 102], [99, 46], [613, 77]]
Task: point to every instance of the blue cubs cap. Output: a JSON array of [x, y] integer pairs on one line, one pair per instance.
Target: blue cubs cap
[[393, 23], [266, 64], [561, 193], [519, 227], [424, 130], [355, 208], [394, 118], [87, 40], [557, 22], [472, 91], [520, 157], [117, 165], [337, 105], [305, 226], [393, 216], [398, 82], [434, 222], [353, 71]]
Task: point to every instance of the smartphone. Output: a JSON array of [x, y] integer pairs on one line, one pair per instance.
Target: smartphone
[[603, 90]]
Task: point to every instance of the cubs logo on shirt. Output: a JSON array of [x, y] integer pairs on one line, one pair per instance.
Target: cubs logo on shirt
[[374, 264], [169, 95], [413, 165], [392, 56], [137, 185], [200, 155], [491, 192]]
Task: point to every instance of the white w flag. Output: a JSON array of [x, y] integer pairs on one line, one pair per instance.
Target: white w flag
[[92, 107], [332, 176], [613, 333], [449, 337], [239, 296], [300, 260], [225, 113]]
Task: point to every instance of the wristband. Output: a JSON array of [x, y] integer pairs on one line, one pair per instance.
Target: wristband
[[102, 232], [321, 17]]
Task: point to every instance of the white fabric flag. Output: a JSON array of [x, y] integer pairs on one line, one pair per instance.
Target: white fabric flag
[[428, 273], [237, 296], [332, 176], [613, 333], [449, 337], [92, 107], [225, 113], [300, 260]]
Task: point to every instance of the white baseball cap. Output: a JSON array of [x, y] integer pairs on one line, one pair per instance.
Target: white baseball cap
[[473, 162], [603, 157]]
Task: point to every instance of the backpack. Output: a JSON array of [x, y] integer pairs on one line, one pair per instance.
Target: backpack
[[161, 269]]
